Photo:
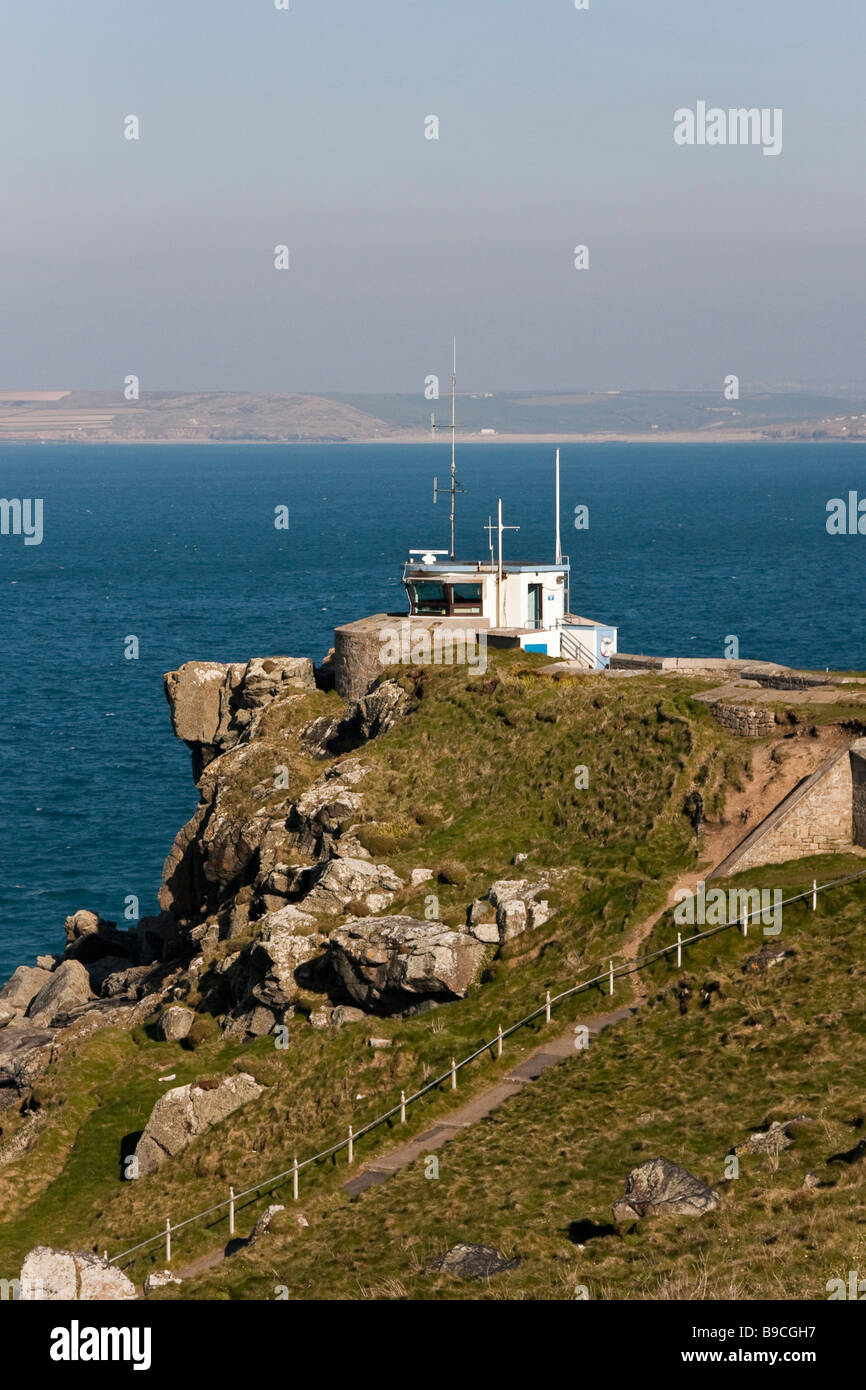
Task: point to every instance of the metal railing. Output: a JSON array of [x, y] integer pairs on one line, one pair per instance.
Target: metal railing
[[573, 648], [608, 976]]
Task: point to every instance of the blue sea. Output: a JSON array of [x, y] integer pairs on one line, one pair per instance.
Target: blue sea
[[176, 545]]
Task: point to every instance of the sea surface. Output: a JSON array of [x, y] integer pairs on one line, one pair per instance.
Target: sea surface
[[176, 545]]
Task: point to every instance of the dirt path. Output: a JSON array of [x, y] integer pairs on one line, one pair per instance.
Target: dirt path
[[378, 1170], [202, 1264], [770, 782], [547, 1054]]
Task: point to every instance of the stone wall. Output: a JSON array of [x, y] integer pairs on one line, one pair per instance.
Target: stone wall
[[815, 818], [858, 791], [745, 721]]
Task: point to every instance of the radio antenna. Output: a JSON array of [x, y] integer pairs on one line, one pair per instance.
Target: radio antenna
[[455, 486]]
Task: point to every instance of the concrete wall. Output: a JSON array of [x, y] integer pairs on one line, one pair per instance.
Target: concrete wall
[[786, 680], [515, 599], [358, 647], [356, 659]]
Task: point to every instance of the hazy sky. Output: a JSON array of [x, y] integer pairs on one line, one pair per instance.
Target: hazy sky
[[306, 127]]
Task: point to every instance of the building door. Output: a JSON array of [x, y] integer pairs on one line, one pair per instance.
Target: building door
[[534, 615]]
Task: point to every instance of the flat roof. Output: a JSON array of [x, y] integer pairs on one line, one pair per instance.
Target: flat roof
[[482, 567], [376, 621]]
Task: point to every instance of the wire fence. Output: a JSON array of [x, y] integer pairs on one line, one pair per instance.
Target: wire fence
[[608, 976]]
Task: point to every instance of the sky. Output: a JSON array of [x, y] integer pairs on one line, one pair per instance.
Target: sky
[[306, 128]]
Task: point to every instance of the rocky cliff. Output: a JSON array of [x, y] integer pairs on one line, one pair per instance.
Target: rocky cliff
[[273, 899]]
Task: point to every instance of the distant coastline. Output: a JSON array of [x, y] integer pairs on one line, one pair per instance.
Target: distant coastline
[[617, 417], [679, 437]]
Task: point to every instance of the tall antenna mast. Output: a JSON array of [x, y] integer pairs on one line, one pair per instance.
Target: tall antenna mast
[[455, 486], [558, 560], [453, 442]]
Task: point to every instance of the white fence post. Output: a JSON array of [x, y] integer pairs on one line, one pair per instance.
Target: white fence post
[[547, 1007], [499, 1044]]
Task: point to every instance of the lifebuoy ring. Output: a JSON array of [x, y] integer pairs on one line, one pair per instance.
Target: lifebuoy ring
[[607, 646]]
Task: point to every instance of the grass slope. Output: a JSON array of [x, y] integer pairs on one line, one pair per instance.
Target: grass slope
[[479, 771], [537, 1178]]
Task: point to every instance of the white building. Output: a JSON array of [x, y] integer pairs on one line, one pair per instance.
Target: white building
[[525, 605], [503, 603]]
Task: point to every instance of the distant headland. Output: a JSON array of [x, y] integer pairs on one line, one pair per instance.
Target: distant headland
[[131, 415]]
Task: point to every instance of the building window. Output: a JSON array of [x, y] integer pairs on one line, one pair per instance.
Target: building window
[[428, 596], [466, 598], [435, 597]]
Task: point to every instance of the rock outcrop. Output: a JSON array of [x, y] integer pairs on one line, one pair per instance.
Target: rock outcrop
[[25, 1052], [175, 1023], [22, 988], [264, 979], [471, 1262], [67, 1275], [661, 1188], [160, 1279], [242, 867], [343, 881], [100, 980], [385, 963], [773, 1139], [323, 812], [518, 909], [67, 988], [233, 843], [213, 705], [371, 716], [184, 1112], [217, 710], [215, 851]]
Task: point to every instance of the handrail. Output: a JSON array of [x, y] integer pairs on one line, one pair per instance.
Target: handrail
[[619, 972], [573, 646]]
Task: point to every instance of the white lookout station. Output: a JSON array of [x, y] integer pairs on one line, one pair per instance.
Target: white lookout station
[[525, 605]]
